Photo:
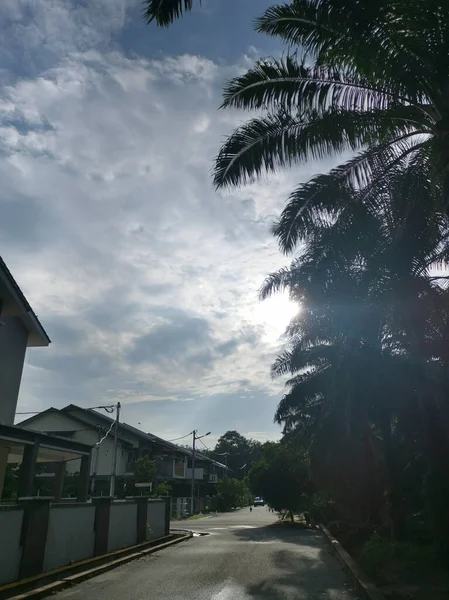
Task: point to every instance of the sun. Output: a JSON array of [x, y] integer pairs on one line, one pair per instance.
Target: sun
[[275, 313]]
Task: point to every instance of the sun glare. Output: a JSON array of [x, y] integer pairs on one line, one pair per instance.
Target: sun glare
[[275, 314]]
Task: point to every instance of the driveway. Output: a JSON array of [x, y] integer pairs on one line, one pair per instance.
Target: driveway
[[242, 557]]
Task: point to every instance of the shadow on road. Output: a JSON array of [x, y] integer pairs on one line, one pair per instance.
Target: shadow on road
[[283, 533], [308, 573]]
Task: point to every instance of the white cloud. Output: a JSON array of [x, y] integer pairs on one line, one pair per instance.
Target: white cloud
[[112, 227]]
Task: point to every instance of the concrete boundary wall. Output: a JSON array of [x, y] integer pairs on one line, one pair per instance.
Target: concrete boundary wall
[[37, 536], [70, 535], [10, 549], [122, 525], [155, 525]]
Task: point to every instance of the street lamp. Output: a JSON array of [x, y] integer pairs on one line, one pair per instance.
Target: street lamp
[[192, 485]]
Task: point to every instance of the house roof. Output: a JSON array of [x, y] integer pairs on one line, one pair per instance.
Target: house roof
[[70, 415], [149, 436], [52, 448], [125, 432], [16, 305], [86, 415]]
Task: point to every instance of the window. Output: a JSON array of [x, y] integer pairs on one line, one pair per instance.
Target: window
[[178, 467]]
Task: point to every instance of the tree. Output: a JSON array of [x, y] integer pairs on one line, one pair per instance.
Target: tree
[[378, 86], [231, 493], [164, 488], [368, 354], [144, 470], [281, 477], [237, 451], [165, 12]]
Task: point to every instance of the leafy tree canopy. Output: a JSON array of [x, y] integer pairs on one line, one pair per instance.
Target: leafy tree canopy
[[144, 469], [237, 451], [231, 493], [282, 476]]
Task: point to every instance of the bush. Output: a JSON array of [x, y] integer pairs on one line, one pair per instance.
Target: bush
[[164, 489], [231, 493], [322, 508], [378, 553]]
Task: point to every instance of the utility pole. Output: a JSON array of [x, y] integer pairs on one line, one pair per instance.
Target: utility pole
[[114, 458], [192, 484], [97, 458]]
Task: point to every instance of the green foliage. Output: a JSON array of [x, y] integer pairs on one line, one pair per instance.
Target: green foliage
[[373, 88], [282, 477], [239, 451], [164, 489], [231, 493], [322, 507], [144, 469], [11, 484], [367, 358], [378, 553], [165, 12]]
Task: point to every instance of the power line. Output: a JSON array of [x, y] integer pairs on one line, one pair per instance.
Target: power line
[[106, 435], [208, 449], [180, 438], [107, 407]]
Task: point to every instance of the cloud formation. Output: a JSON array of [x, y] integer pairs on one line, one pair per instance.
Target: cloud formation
[[144, 276]]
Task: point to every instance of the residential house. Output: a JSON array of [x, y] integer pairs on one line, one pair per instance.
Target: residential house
[[20, 329], [96, 428]]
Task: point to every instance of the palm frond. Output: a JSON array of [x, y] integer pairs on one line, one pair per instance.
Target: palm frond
[[275, 282], [287, 83], [322, 194], [164, 12], [369, 40], [279, 139], [330, 192]]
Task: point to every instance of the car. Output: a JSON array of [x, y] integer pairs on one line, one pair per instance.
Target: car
[[259, 501]]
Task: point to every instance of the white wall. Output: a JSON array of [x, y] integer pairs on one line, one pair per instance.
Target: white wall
[[10, 550], [155, 519], [122, 525], [13, 344], [58, 421], [199, 473], [70, 536]]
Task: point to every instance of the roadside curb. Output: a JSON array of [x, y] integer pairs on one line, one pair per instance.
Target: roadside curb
[[361, 581], [70, 580]]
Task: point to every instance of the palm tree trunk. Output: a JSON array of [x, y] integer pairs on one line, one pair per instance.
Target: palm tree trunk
[[437, 481], [396, 506]]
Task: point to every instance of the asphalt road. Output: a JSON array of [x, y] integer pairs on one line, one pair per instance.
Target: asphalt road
[[242, 558]]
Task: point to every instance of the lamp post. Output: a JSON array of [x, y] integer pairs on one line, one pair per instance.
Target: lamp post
[[114, 456], [192, 485]]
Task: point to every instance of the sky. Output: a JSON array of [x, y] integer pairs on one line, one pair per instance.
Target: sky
[[144, 276]]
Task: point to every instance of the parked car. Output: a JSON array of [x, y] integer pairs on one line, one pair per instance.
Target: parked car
[[259, 501]]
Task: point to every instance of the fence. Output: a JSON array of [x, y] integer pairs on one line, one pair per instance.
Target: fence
[[37, 536], [180, 507]]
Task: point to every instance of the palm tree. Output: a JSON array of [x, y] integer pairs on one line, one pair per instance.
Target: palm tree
[[372, 78], [164, 12], [369, 347]]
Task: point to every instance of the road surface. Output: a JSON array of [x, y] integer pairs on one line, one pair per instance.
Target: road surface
[[242, 558]]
